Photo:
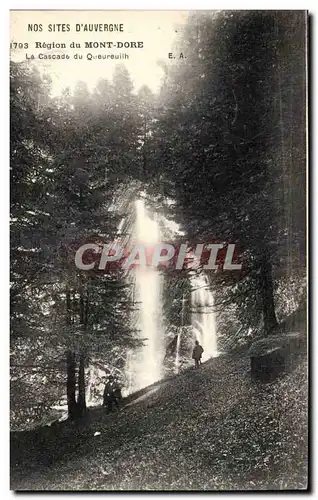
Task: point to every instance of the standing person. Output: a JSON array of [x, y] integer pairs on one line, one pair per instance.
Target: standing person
[[197, 354]]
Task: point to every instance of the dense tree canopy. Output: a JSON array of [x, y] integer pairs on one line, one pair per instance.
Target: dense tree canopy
[[231, 146]]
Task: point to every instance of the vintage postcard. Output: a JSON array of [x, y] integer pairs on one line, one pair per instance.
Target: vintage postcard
[[158, 164]]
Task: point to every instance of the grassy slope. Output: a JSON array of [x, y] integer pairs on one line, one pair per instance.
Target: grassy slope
[[202, 430]]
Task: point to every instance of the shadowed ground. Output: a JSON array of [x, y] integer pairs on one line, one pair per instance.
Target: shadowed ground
[[205, 429]]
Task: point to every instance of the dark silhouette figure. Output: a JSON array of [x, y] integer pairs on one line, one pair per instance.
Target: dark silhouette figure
[[197, 354], [112, 394]]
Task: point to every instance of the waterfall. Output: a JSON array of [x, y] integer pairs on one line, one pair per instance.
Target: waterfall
[[129, 387], [95, 384], [177, 358], [203, 317], [146, 364]]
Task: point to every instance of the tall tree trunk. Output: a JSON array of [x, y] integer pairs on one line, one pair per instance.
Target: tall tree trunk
[[267, 290], [68, 307], [83, 313], [82, 309], [81, 386], [71, 385], [86, 311], [70, 366]]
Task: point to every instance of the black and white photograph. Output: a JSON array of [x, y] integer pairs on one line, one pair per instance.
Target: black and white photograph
[[158, 250]]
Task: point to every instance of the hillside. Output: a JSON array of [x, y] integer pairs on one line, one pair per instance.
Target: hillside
[[208, 429]]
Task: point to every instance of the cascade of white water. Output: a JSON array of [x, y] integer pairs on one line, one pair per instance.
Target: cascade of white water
[[147, 363], [203, 317], [128, 389], [177, 358], [95, 385]]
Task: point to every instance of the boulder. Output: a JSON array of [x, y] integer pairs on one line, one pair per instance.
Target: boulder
[[271, 355]]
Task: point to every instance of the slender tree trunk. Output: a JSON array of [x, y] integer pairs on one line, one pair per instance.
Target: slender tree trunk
[[71, 385], [86, 311], [267, 290], [70, 366], [81, 373], [82, 309], [68, 307], [73, 309], [81, 386]]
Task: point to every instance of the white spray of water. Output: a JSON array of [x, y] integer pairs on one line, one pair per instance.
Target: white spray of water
[[146, 365], [203, 317], [177, 358], [129, 373]]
